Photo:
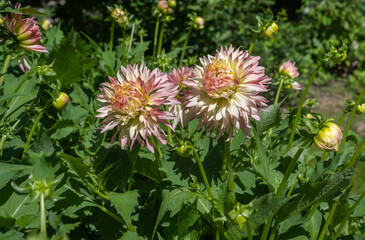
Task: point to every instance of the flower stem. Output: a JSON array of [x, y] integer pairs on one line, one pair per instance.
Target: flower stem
[[328, 221], [278, 92], [349, 121], [302, 99], [42, 209], [249, 229], [158, 153], [133, 154], [5, 68], [111, 37], [185, 44], [4, 136], [201, 168], [227, 159], [160, 39], [358, 150], [131, 38], [252, 43], [274, 230], [29, 138], [141, 40], [266, 229], [347, 216], [156, 36], [288, 172], [124, 46]]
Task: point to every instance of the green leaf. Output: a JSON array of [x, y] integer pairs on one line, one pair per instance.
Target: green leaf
[[67, 63], [3, 98], [314, 224], [79, 96], [268, 119], [11, 235], [173, 201], [31, 11], [76, 164], [54, 36], [7, 171], [131, 236], [185, 219], [42, 143], [124, 203], [223, 198], [139, 50]]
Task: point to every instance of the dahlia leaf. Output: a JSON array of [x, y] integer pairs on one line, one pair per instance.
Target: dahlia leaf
[[314, 224], [268, 119], [76, 164], [124, 203], [223, 197], [54, 36], [131, 236], [42, 143], [7, 171], [138, 51]]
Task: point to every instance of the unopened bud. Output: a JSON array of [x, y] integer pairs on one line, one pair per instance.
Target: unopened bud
[[172, 3], [119, 16], [163, 7], [184, 150], [240, 220], [61, 101], [328, 137], [1, 21], [198, 23], [360, 109], [288, 69], [339, 57], [46, 24], [271, 30], [309, 116]]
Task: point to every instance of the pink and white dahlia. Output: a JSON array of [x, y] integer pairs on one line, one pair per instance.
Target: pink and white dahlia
[[224, 91], [178, 77], [132, 102], [26, 32], [289, 69]]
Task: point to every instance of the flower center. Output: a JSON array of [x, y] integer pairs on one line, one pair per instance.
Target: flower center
[[219, 79], [127, 99]]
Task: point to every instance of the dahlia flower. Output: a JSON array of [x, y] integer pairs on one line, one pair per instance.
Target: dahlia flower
[[26, 32], [224, 91], [289, 69], [132, 102], [178, 77]]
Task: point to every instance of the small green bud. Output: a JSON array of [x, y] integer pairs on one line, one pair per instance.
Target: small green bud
[[172, 3], [61, 101], [328, 137], [360, 109], [198, 23], [184, 150], [46, 24], [271, 30]]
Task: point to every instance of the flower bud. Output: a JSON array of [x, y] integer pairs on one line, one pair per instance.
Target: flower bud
[[184, 150], [288, 69], [61, 101], [198, 23], [339, 57], [46, 24], [360, 109], [240, 220], [163, 7], [172, 3], [328, 137], [271, 30], [119, 16], [1, 21]]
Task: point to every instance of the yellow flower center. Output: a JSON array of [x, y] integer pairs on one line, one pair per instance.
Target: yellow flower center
[[219, 79], [127, 99]]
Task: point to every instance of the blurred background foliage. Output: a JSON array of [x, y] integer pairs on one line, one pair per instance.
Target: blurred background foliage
[[305, 26]]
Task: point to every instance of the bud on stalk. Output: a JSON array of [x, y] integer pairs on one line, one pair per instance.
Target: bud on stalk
[[271, 30], [328, 137], [61, 101]]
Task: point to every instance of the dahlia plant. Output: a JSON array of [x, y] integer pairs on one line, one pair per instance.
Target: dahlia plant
[[168, 148]]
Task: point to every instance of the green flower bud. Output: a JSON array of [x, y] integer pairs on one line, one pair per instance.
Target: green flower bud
[[198, 23], [1, 21], [61, 101], [328, 137], [46, 24], [271, 30], [360, 109], [172, 3], [184, 150]]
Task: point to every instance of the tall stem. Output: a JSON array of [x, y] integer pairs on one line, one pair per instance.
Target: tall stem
[[156, 36], [29, 138], [160, 39], [111, 37], [131, 38], [185, 44], [141, 40], [266, 229], [328, 221], [157, 150], [42, 209], [278, 92], [202, 172], [227, 159], [124, 46], [249, 229], [5, 68], [302, 99], [133, 158], [252, 43], [288, 172], [338, 232], [349, 121], [358, 150]]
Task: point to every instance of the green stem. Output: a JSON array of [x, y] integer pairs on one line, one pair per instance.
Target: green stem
[[288, 172], [5, 68], [292, 188], [302, 99], [328, 221], [338, 232], [341, 119], [160, 39], [4, 136], [156, 36], [42, 209], [278, 92], [131, 38], [185, 44], [313, 209], [157, 151], [358, 150], [349, 121], [266, 229], [201, 168], [111, 214], [252, 43], [141, 40], [111, 37], [124, 46], [274, 230], [97, 191], [29, 138], [227, 159], [133, 158], [249, 229]]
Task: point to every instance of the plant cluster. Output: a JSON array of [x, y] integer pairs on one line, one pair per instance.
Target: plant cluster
[[124, 140]]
